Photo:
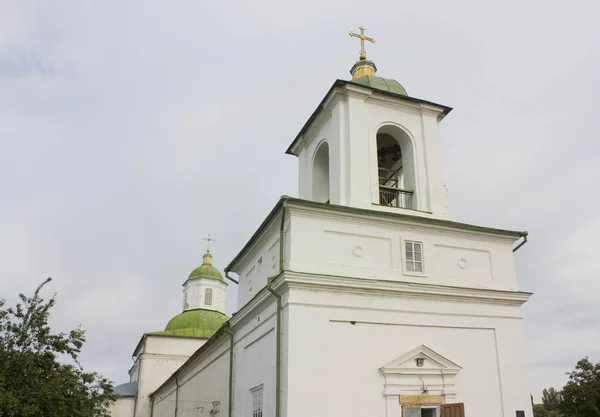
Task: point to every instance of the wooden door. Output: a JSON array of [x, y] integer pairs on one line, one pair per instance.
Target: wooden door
[[452, 410]]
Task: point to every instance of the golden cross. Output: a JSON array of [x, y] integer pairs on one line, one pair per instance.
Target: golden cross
[[362, 38], [209, 239]]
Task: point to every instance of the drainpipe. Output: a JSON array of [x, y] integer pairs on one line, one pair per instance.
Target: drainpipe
[[278, 298], [227, 329], [176, 394], [282, 231], [524, 235], [278, 348], [231, 278]]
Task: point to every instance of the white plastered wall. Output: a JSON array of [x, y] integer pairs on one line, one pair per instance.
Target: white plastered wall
[[161, 356], [346, 357], [204, 381], [122, 407], [203, 386], [194, 294], [255, 354], [368, 246], [349, 123], [261, 260]]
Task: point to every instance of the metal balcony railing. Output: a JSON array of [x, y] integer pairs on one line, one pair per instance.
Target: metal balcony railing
[[395, 197], [390, 193]]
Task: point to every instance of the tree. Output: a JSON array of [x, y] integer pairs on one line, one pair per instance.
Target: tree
[[540, 411], [33, 381], [581, 394], [551, 399]]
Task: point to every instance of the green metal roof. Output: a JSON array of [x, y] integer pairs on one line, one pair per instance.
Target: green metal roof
[[128, 389], [195, 323], [206, 270], [379, 83]]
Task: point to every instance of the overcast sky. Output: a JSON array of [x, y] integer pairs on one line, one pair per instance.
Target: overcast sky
[[130, 129]]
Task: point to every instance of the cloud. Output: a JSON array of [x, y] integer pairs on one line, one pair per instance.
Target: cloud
[[130, 130], [22, 66]]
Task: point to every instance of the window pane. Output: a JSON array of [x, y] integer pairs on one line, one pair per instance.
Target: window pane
[[428, 412], [417, 256], [410, 266], [408, 246], [417, 247], [412, 412], [409, 256], [257, 403], [418, 267]]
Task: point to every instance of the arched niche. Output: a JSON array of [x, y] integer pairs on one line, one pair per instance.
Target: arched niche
[[396, 168], [320, 174]]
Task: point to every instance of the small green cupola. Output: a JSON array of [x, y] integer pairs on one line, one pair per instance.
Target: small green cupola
[[203, 303], [206, 270], [363, 71]]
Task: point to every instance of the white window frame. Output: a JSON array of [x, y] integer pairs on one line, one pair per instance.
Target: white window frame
[[413, 261], [208, 296], [257, 401]]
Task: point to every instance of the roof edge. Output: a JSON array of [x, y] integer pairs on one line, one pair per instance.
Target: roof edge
[[427, 220], [342, 83], [257, 233], [333, 207]]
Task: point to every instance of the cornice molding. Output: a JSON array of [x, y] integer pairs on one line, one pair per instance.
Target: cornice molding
[[405, 106], [147, 355], [258, 303], [315, 127], [357, 91], [416, 223], [362, 286], [257, 245]]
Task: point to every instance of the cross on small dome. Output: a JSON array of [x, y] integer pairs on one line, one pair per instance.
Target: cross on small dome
[[363, 38], [209, 239]]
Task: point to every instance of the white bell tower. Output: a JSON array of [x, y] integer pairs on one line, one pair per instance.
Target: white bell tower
[[369, 145]]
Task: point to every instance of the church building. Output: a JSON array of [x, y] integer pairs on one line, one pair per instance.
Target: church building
[[361, 297]]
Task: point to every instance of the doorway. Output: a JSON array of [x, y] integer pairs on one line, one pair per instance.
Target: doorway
[[420, 411]]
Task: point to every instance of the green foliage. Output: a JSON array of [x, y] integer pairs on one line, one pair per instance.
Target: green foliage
[[33, 382], [581, 394], [540, 411], [580, 397], [551, 399]]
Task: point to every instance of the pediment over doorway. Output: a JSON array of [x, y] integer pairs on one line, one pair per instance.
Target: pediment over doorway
[[433, 362], [436, 376]]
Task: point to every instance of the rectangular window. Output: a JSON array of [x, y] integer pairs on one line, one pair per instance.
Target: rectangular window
[[208, 297], [414, 256], [257, 402]]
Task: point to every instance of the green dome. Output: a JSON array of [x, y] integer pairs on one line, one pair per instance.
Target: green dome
[[206, 270], [379, 83], [196, 323]]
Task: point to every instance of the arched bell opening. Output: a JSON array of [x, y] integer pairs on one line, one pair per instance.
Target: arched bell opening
[[320, 174], [395, 168]]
